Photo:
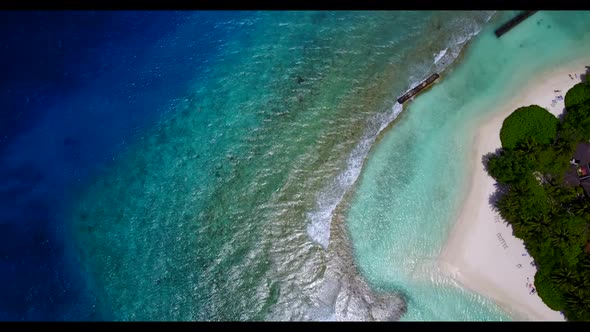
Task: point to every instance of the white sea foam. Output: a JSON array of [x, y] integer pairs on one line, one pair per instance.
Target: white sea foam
[[440, 54], [318, 227]]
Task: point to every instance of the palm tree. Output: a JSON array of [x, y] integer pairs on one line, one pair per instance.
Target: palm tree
[[586, 302], [563, 147], [528, 147], [582, 280], [559, 234], [546, 218], [509, 207], [520, 189], [561, 193], [535, 227], [572, 298], [576, 282], [585, 280], [581, 207], [522, 230], [562, 276], [578, 298]]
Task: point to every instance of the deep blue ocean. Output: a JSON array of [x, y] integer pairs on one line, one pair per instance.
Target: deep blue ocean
[[75, 86]]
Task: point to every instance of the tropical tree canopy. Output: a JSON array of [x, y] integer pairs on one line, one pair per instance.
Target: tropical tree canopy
[[578, 94], [531, 122], [552, 218]]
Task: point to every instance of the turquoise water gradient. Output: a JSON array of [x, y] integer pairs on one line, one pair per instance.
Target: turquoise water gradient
[[229, 207], [222, 210], [414, 179]]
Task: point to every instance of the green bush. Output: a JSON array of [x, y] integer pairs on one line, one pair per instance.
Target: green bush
[[577, 119], [547, 291], [532, 122], [552, 162], [577, 95], [508, 167]]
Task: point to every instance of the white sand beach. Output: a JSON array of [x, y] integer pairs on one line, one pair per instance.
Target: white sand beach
[[481, 253]]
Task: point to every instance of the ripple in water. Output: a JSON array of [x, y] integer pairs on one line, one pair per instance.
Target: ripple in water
[[211, 215]]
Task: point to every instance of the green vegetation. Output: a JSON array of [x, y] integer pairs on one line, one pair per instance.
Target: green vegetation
[[532, 122], [552, 218], [577, 95], [577, 121]]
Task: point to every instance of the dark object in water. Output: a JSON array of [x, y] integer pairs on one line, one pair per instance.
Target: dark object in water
[[513, 22], [418, 88]]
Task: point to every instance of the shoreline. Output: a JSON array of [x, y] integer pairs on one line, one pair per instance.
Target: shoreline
[[481, 254]]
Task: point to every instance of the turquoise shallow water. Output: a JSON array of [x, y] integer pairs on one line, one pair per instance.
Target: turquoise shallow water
[[224, 209], [414, 179]]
